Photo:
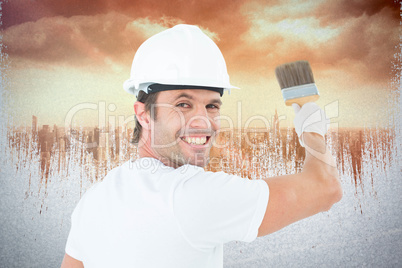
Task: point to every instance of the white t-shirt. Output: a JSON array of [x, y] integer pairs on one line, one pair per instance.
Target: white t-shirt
[[145, 214]]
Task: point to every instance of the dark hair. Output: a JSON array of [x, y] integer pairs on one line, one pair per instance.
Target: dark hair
[[148, 100]]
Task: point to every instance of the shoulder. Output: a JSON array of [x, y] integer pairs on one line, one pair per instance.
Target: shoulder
[[198, 177], [198, 184], [97, 191]]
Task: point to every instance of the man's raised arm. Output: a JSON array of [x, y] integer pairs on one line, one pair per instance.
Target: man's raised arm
[[298, 196]]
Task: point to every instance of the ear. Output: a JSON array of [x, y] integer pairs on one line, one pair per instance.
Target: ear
[[142, 116]]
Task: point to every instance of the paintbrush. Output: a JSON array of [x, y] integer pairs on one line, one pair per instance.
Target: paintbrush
[[297, 83]]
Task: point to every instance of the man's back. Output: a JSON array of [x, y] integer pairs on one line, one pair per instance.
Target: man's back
[[135, 217]]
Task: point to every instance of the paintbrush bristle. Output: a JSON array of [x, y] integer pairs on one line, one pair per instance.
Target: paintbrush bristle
[[294, 74]]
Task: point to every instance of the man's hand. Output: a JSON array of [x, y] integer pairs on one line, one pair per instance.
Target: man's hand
[[310, 118]]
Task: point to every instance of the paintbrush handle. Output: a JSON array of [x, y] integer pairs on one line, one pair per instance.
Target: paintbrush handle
[[303, 100]]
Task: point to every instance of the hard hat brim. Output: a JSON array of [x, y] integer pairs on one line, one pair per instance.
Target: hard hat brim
[[130, 87]]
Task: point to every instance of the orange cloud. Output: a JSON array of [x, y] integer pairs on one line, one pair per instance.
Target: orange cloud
[[332, 12], [363, 43]]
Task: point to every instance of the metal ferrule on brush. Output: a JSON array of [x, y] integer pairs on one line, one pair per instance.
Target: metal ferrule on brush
[[299, 91]]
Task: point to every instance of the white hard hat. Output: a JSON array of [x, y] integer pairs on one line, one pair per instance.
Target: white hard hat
[[179, 57]]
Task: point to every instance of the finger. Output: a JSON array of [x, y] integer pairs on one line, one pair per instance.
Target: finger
[[296, 107]]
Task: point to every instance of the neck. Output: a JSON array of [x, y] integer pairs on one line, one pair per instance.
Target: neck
[[145, 150]]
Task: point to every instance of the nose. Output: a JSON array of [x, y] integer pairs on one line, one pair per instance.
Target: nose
[[200, 119]]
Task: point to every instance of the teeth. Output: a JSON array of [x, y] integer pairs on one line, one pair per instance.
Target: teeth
[[196, 141]]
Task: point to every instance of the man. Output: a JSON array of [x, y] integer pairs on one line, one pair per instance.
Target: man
[[164, 210]]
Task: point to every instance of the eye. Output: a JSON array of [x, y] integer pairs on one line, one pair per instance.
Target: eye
[[213, 106], [183, 105]]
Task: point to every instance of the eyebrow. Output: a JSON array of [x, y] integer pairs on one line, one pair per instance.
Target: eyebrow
[[217, 101], [185, 95]]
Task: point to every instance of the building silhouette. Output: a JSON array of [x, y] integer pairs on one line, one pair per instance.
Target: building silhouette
[[34, 125]]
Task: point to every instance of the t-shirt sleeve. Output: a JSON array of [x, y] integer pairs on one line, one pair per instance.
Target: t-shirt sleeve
[[215, 207]]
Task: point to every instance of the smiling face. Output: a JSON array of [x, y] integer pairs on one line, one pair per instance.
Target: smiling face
[[185, 127]]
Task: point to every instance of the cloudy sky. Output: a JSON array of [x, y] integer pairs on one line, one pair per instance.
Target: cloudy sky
[[64, 56]]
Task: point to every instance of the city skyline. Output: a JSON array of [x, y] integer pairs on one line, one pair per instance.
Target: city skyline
[[251, 153]]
